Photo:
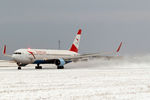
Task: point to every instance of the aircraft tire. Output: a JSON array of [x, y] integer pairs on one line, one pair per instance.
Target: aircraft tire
[[19, 68], [60, 67], [38, 67]]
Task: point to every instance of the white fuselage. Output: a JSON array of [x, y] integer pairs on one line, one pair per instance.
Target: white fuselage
[[24, 56]]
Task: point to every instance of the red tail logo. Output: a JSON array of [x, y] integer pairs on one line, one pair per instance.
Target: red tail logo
[[75, 45]]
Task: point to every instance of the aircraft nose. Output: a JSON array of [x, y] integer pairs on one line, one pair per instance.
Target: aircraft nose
[[14, 57], [21, 59]]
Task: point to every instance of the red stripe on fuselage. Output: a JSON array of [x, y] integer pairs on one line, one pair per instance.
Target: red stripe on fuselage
[[32, 54]]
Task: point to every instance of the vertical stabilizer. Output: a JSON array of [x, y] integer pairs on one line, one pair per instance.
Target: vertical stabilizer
[[75, 45]]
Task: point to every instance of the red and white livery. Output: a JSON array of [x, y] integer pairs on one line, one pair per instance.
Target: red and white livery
[[75, 45], [23, 57]]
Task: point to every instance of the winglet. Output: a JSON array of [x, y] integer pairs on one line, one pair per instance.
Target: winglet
[[119, 47], [4, 52]]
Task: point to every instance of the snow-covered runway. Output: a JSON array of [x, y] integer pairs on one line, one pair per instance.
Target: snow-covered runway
[[127, 79]]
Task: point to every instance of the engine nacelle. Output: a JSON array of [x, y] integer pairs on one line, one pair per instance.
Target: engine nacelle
[[60, 62]]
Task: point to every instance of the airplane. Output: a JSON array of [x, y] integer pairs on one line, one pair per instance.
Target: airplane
[[23, 57]]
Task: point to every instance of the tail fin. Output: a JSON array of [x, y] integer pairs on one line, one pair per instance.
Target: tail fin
[[4, 51], [119, 47], [75, 45]]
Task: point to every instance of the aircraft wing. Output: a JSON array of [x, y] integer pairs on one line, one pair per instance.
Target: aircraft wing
[[87, 56], [94, 55]]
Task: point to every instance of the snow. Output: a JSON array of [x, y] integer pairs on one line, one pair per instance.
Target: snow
[[119, 79]]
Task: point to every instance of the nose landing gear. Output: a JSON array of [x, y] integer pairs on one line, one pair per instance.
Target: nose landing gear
[[19, 66]]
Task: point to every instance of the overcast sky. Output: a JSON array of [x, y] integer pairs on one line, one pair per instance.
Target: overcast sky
[[41, 23]]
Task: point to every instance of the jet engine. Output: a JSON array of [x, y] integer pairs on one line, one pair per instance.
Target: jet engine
[[60, 62]]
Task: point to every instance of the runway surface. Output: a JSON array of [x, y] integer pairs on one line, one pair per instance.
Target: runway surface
[[119, 79]]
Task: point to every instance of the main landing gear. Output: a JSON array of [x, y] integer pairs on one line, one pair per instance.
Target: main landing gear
[[38, 66], [60, 67], [19, 68]]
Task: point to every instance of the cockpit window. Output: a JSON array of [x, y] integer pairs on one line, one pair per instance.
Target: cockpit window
[[18, 53]]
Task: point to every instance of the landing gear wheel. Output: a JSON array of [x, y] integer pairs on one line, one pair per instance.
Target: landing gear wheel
[[38, 67], [19, 68], [60, 67]]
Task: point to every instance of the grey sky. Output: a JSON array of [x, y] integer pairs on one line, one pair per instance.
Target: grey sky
[[41, 23]]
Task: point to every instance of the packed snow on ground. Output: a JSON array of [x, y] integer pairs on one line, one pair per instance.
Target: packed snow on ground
[[102, 79]]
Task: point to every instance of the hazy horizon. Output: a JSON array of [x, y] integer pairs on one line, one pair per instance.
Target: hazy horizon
[[41, 23]]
